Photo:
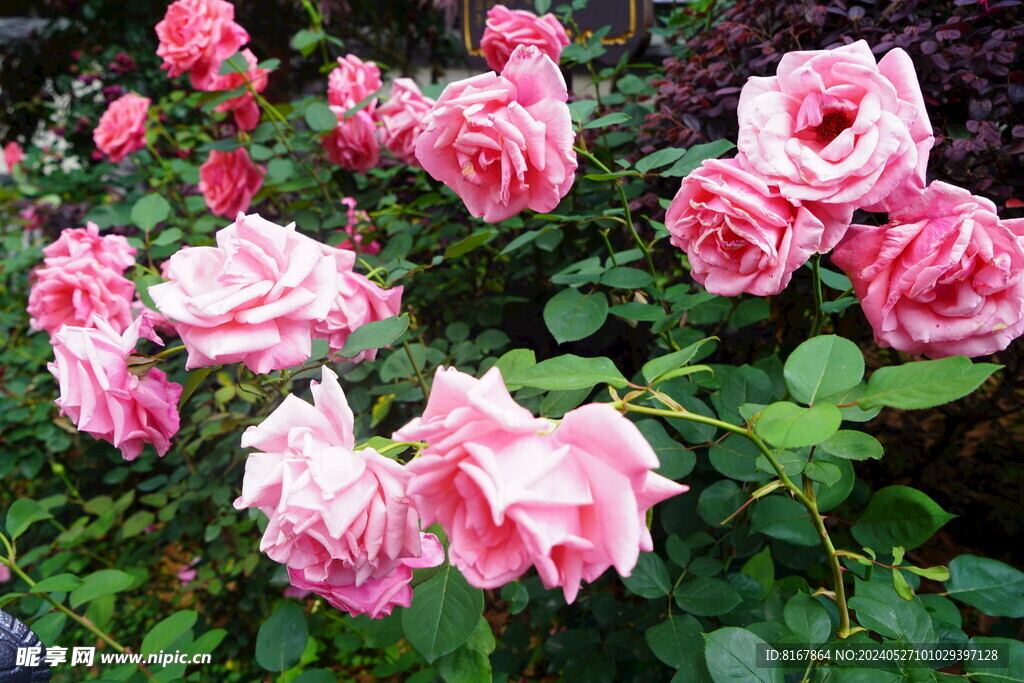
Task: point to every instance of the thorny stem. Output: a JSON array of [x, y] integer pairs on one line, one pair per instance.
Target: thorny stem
[[416, 367], [805, 495]]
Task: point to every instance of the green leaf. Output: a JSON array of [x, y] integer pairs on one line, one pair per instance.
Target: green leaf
[[444, 613], [822, 366], [649, 578], [192, 382], [761, 568], [234, 64], [168, 236], [59, 583], [542, 6], [695, 156], [663, 157], [305, 41], [282, 638], [673, 638], [513, 362], [823, 472], [852, 445], [925, 384], [731, 655], [22, 514], [676, 461], [1010, 666], [168, 630], [608, 120], [899, 515], [707, 597], [571, 316], [634, 310], [899, 583], [995, 588], [939, 573], [718, 501], [320, 118], [807, 619], [470, 662], [735, 457], [582, 109], [49, 626], [375, 335], [98, 584], [626, 278], [516, 595], [784, 519], [150, 210], [787, 425], [568, 372], [654, 369], [468, 244]]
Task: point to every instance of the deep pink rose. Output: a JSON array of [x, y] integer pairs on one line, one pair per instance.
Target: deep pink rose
[[104, 397], [401, 119], [252, 299], [355, 243], [13, 155], [352, 81], [247, 111], [81, 277], [196, 36], [835, 126], [944, 277], [741, 235], [339, 518], [353, 143], [122, 128], [512, 490], [507, 29], [503, 143], [228, 181]]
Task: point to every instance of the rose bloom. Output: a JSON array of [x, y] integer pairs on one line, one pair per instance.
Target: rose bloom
[[122, 128], [741, 235], [359, 301], [13, 155], [512, 490], [353, 143], [196, 36], [245, 108], [507, 29], [252, 299], [835, 126], [127, 406], [81, 277], [228, 181], [503, 143], [352, 81], [944, 277], [401, 119], [339, 518]]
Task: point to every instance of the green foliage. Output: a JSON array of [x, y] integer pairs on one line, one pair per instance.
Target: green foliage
[[443, 616]]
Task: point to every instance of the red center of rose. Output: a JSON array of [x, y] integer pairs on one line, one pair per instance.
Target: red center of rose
[[832, 124]]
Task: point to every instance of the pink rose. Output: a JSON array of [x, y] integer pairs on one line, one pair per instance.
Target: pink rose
[[512, 490], [352, 81], [741, 235], [835, 126], [944, 277], [228, 181], [187, 574], [359, 302], [122, 128], [13, 155], [252, 299], [129, 407], [81, 277], [507, 29], [196, 36], [338, 518], [353, 143], [503, 143], [401, 119], [356, 241], [247, 111]]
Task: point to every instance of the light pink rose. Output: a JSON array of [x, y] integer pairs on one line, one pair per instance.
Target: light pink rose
[[835, 126], [359, 301], [339, 518], [252, 299], [129, 407], [741, 235], [187, 574], [122, 128], [944, 277], [352, 228], [197, 36], [13, 155], [228, 181], [81, 277], [503, 143], [247, 111], [352, 81], [401, 119], [353, 143], [5, 573], [507, 29], [512, 490]]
